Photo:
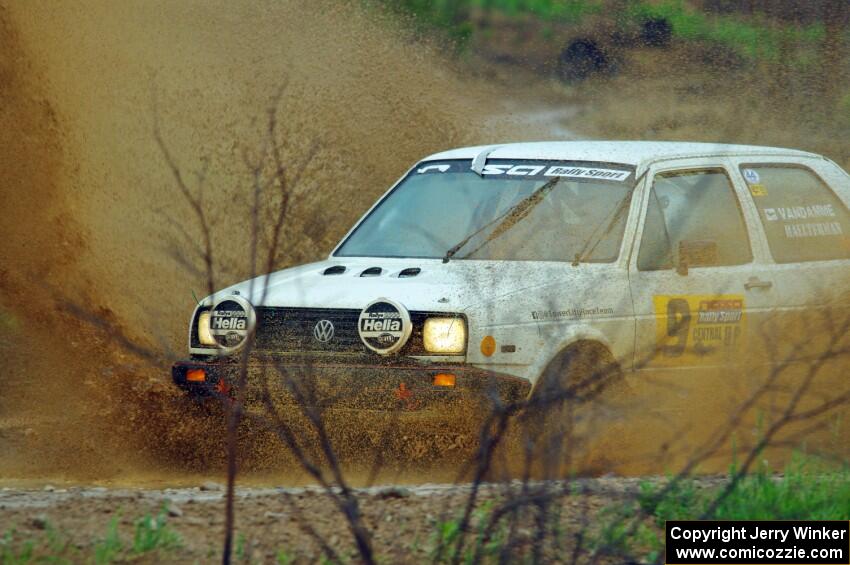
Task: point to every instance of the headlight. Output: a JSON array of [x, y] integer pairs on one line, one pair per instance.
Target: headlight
[[444, 335], [204, 335]]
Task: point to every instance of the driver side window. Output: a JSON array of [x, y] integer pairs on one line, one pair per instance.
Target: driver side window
[[693, 220]]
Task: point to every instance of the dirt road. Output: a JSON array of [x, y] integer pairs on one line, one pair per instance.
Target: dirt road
[[404, 520]]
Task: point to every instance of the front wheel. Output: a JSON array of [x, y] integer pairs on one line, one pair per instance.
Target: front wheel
[[568, 409]]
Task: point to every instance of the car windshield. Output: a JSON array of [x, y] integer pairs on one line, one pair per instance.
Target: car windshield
[[515, 210]]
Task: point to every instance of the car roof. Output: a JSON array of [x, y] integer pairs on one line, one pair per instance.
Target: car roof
[[635, 153]]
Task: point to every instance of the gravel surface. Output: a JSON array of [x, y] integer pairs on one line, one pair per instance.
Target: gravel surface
[[288, 522]]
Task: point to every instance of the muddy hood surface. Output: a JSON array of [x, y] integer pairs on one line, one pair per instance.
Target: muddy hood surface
[[457, 286]]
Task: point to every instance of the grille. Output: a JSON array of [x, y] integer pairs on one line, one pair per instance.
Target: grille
[[291, 329], [288, 330]]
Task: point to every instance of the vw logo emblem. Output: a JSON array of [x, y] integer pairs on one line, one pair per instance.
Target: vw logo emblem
[[323, 331]]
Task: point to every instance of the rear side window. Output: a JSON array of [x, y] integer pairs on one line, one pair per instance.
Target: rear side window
[[693, 219], [803, 218]]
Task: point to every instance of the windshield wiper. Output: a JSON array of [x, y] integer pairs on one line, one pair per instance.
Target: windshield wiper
[[618, 212], [506, 220]]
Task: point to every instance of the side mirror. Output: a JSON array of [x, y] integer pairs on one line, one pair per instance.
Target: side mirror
[[697, 253]]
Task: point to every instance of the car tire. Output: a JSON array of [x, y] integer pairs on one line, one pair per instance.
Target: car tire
[[558, 424], [656, 32], [581, 59]]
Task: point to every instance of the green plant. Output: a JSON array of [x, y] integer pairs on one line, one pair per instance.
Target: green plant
[[445, 536], [240, 546], [51, 547], [15, 553], [755, 38], [563, 10], [808, 490], [58, 546], [108, 549], [675, 501], [154, 533], [151, 534], [283, 557], [453, 16], [752, 38], [445, 540], [447, 15]]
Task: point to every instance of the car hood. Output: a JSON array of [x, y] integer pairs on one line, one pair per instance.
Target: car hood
[[455, 286]]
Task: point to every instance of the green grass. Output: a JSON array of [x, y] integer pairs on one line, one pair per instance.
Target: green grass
[[12, 553], [284, 557], [444, 541], [808, 490], [151, 536], [453, 16], [108, 549], [749, 37], [152, 533], [563, 10], [52, 548]]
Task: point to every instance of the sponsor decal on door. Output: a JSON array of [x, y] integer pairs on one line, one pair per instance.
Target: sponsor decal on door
[[695, 329]]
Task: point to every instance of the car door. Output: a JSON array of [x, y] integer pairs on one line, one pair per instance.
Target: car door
[[801, 206], [698, 283]]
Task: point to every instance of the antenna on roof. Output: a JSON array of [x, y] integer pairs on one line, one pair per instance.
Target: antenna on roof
[[480, 160]]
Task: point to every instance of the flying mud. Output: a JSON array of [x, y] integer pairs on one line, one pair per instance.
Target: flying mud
[[93, 236], [95, 285]]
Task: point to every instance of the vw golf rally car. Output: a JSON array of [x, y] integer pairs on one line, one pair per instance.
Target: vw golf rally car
[[483, 268]]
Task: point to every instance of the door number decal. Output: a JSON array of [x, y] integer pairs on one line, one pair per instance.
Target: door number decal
[[693, 328]]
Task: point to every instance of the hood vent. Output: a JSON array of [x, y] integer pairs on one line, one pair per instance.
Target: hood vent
[[409, 272], [372, 272], [335, 270]]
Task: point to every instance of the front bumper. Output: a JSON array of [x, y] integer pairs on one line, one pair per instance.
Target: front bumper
[[354, 386]]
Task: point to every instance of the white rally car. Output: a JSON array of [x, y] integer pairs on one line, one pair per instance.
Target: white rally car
[[485, 268]]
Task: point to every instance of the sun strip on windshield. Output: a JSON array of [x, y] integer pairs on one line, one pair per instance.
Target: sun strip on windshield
[[533, 169]]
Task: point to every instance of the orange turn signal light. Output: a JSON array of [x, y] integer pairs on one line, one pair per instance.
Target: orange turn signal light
[[444, 379], [196, 375], [488, 345]]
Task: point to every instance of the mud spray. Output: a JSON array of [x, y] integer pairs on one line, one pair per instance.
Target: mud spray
[[92, 215]]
